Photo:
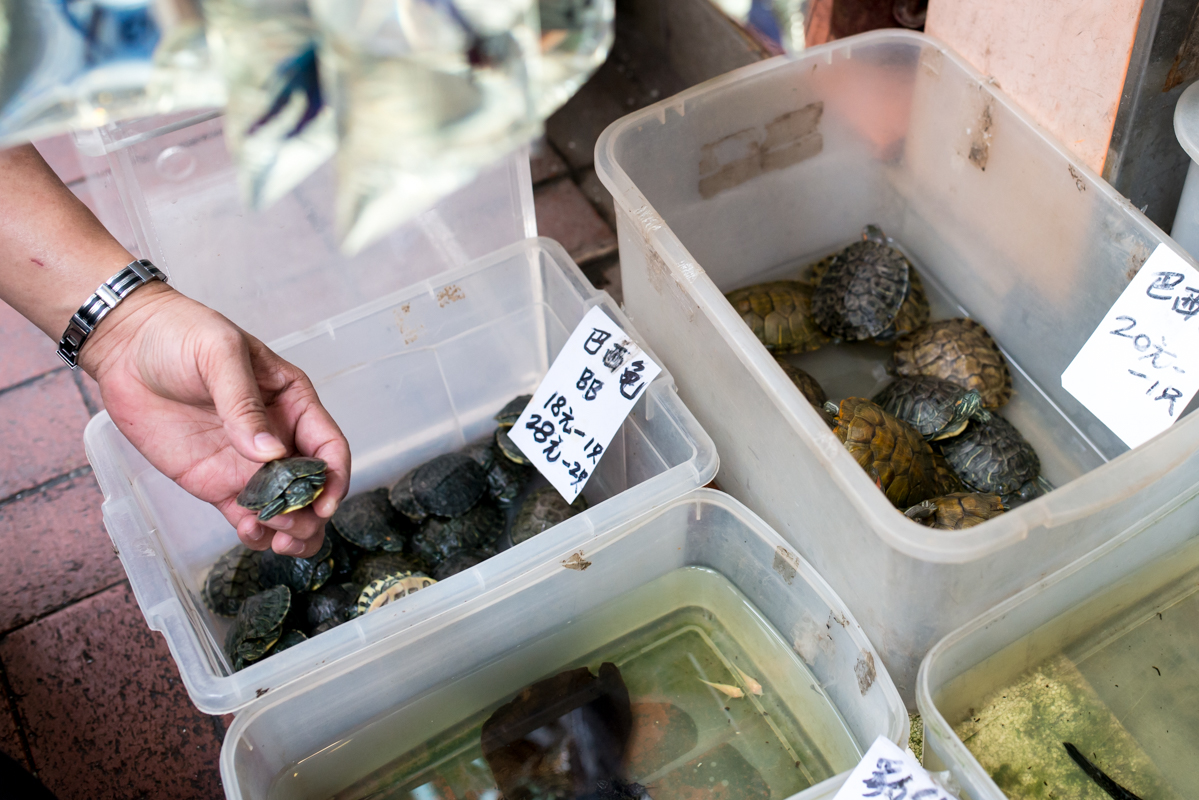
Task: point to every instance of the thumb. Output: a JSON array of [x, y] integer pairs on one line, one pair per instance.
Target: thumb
[[238, 401]]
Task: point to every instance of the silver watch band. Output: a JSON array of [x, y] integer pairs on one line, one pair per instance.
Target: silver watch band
[[107, 297]]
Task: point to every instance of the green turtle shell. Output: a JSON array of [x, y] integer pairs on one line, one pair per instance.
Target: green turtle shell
[[543, 509], [862, 290], [368, 520], [334, 603], [780, 314], [258, 626], [512, 411], [379, 565], [957, 350], [232, 579], [390, 589], [937, 408], [291, 482], [297, 574], [288, 639], [892, 452], [448, 485], [913, 313], [992, 456], [477, 529], [504, 443], [506, 478], [403, 500]]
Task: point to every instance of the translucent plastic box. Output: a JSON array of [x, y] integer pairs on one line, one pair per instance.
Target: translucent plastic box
[[755, 174], [351, 718], [1102, 654], [408, 376]]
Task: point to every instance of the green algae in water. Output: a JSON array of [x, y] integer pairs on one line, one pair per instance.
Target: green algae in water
[[689, 740]]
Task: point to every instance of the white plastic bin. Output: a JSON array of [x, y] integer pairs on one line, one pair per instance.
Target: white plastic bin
[[752, 175], [363, 700], [1115, 629]]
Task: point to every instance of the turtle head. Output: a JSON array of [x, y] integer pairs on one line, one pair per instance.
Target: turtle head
[[832, 408], [873, 233], [967, 407], [921, 512]]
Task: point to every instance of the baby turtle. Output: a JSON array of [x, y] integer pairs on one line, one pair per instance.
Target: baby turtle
[[504, 443], [368, 520], [860, 293], [1031, 490], [955, 512], [992, 457], [511, 412], [335, 603], [345, 555], [957, 350], [297, 574], [258, 626], [506, 479], [401, 498], [459, 562], [279, 487], [937, 408], [448, 485], [948, 481], [913, 312], [380, 565], [387, 590], [780, 315], [806, 384], [891, 451], [543, 509], [477, 529], [288, 639], [232, 579]]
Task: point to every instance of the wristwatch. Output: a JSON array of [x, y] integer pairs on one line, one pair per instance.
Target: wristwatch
[[107, 297]]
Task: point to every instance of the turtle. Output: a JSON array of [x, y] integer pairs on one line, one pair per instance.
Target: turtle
[[368, 520], [508, 448], [506, 479], [1028, 492], [258, 626], [780, 314], [510, 413], [913, 313], [297, 574], [935, 407], [387, 590], [232, 579], [892, 452], [335, 602], [957, 350], [401, 498], [807, 385], [948, 481], [448, 485], [860, 294], [478, 529], [957, 511], [459, 562], [543, 509], [991, 457], [290, 638], [380, 565], [345, 554], [285, 485]]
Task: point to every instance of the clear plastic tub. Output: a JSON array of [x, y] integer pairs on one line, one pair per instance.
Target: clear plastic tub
[[408, 376], [356, 716], [1102, 654], [751, 176]]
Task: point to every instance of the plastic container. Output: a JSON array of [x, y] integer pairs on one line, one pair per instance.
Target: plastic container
[[408, 376], [1185, 229], [1114, 635], [495, 641], [750, 176]]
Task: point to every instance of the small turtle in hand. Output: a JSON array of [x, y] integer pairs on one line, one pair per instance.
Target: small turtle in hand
[[284, 485]]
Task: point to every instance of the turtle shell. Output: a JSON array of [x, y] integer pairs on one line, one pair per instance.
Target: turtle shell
[[402, 499], [935, 407], [955, 512], [1031, 490], [283, 485], [543, 509], [891, 451], [991, 456], [368, 520], [232, 579], [288, 639], [345, 555], [807, 385], [861, 292], [512, 411], [948, 481], [448, 485], [957, 350], [478, 529], [334, 603], [297, 574], [505, 445], [389, 589], [459, 562], [380, 565], [780, 315], [912, 314], [258, 626], [506, 478]]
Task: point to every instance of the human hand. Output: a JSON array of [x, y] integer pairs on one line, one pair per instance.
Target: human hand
[[207, 404]]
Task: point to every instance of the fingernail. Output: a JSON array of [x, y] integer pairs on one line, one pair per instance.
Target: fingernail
[[267, 443]]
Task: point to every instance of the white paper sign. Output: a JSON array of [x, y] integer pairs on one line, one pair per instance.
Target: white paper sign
[[582, 402], [1140, 367], [888, 773]]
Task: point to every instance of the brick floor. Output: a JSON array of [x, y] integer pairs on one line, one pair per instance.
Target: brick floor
[[564, 214], [10, 739], [58, 551], [27, 351], [544, 162], [41, 431], [105, 711]]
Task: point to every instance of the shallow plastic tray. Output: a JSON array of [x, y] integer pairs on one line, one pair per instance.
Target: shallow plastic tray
[[755, 174], [705, 528], [407, 377]]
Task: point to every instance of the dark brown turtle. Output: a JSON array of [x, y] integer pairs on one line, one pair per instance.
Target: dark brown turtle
[[779, 313], [992, 457], [954, 512], [477, 529], [448, 485], [860, 293], [369, 521], [543, 509], [232, 579], [957, 350], [258, 626], [937, 408], [891, 451], [807, 385], [283, 485], [297, 574], [335, 603], [403, 500], [379, 565], [506, 479]]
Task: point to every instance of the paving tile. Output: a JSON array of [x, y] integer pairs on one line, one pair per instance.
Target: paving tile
[[10, 739], [574, 128], [604, 273], [57, 551], [90, 390], [41, 431], [564, 214], [60, 154], [544, 162], [105, 711], [600, 197], [24, 350]]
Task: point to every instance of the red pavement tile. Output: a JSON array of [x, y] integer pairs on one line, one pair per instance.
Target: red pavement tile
[[26, 350], [563, 213], [105, 711], [41, 432], [58, 551], [10, 740], [544, 162], [90, 390], [595, 191], [60, 154]]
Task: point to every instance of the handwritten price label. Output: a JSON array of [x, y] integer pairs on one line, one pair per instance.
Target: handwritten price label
[[888, 773], [1139, 369], [582, 402]]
